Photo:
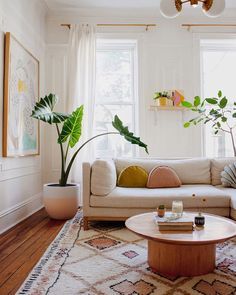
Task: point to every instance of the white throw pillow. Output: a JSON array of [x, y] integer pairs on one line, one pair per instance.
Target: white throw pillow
[[217, 166], [103, 177]]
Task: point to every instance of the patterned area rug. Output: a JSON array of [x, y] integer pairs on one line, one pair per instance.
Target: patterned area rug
[[109, 259]]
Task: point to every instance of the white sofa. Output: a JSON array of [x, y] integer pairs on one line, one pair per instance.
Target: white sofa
[[104, 200]]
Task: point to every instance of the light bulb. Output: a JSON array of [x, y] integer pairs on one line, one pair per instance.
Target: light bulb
[[168, 8], [216, 8]]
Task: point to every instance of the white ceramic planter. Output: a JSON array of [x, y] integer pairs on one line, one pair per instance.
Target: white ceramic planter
[[61, 202]]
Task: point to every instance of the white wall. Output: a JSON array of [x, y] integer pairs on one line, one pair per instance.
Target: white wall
[[167, 60], [21, 178]]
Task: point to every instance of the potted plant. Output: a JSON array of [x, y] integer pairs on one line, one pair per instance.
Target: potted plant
[[215, 111], [61, 199], [162, 98], [161, 210]]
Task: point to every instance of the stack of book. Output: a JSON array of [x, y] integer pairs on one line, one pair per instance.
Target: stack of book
[[172, 223]]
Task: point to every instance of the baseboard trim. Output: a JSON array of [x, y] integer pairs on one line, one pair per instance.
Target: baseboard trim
[[12, 216]]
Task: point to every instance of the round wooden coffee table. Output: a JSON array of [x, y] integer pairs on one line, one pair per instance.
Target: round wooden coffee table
[[181, 253]]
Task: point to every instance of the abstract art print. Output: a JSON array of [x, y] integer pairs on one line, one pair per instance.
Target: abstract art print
[[21, 91]]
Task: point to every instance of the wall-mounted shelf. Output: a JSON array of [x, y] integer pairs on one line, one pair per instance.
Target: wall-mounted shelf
[[157, 108], [166, 108]]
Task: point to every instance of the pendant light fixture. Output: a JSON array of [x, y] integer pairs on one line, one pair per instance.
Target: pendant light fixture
[[172, 8]]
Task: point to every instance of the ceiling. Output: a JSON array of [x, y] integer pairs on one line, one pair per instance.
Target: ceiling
[[76, 4]]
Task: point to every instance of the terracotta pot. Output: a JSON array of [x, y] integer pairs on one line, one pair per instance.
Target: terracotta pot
[[161, 212], [61, 202]]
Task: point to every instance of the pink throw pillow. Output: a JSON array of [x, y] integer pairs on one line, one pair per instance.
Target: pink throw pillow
[[163, 176]]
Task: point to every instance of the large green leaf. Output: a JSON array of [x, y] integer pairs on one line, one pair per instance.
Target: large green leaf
[[43, 110], [129, 136], [72, 127]]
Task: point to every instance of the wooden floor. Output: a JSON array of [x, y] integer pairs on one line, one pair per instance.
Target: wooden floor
[[22, 246]]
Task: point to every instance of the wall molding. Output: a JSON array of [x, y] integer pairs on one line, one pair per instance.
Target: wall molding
[[15, 214], [18, 173]]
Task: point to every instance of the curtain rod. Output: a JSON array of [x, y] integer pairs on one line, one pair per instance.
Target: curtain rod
[[208, 25], [118, 25]]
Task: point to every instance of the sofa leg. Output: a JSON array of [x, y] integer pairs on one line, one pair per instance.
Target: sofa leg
[[85, 223]]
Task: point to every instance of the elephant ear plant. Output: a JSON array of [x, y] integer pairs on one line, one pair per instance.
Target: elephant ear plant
[[215, 111], [70, 132]]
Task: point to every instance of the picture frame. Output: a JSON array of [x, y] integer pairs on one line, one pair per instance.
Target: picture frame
[[21, 134]]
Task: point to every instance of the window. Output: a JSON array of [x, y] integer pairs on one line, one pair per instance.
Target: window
[[116, 93], [218, 60]]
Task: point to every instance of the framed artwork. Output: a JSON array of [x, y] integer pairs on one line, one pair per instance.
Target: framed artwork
[[21, 91]]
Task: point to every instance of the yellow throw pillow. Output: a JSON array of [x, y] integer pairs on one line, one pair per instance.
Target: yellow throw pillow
[[133, 176]]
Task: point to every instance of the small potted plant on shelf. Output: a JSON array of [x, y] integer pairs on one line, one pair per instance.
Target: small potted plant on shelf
[[161, 210], [163, 98], [61, 199]]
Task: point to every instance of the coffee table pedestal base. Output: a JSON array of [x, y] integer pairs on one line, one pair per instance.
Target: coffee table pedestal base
[[181, 260]]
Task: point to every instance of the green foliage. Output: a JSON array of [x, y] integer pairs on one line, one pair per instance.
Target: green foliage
[[43, 110], [70, 132], [72, 128], [187, 104], [223, 102], [211, 100], [187, 124], [197, 101], [215, 111], [161, 94], [129, 136]]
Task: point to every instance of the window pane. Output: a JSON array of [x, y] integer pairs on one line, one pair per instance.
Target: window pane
[[114, 76], [218, 74], [112, 145], [115, 95]]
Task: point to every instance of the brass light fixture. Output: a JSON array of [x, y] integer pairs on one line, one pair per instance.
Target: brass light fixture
[[172, 8]]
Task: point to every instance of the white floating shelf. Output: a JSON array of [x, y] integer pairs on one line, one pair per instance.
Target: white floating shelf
[[166, 108]]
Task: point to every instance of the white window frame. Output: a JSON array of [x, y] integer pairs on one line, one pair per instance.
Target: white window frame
[[213, 47], [104, 44], [198, 68]]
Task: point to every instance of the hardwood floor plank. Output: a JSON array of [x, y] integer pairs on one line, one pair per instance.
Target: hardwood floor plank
[[21, 239], [17, 258], [23, 224], [22, 252], [21, 229]]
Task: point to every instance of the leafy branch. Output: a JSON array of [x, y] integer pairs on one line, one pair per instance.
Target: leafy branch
[[215, 111]]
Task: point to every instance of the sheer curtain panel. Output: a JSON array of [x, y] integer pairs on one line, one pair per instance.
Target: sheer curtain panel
[[81, 85]]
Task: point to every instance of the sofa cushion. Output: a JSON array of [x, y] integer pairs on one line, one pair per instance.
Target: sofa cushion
[[231, 192], [103, 177], [163, 176], [190, 171], [145, 198], [217, 166], [133, 176]]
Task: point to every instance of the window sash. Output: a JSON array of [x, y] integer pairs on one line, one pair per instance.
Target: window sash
[[123, 45]]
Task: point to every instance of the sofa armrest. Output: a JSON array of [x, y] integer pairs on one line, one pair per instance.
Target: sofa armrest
[[86, 172]]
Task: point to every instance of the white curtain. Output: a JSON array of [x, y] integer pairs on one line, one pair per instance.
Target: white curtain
[[81, 85]]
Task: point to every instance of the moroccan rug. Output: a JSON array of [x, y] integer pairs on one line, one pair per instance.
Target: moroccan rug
[[108, 259]]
